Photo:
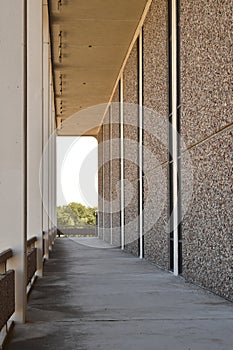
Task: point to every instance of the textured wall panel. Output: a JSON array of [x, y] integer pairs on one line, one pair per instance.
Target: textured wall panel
[[132, 218], [156, 236], [207, 226], [115, 165], [206, 67], [131, 115], [106, 170], [131, 151], [100, 182], [155, 58], [206, 94]]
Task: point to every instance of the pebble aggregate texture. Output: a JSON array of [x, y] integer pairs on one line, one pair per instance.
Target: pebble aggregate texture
[[206, 129], [155, 68], [106, 174], [100, 182], [115, 167], [206, 94], [206, 68], [130, 96]]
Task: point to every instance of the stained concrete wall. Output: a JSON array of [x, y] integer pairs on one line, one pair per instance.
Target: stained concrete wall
[[206, 94]]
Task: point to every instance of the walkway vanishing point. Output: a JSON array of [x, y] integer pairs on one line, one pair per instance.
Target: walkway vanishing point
[[93, 298]]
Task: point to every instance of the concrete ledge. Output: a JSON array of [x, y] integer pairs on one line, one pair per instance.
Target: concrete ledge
[[92, 231], [5, 334], [31, 284]]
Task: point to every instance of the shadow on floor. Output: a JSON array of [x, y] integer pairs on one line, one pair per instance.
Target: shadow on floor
[[93, 297]]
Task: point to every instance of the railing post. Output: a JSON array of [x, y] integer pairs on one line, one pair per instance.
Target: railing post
[[45, 159]]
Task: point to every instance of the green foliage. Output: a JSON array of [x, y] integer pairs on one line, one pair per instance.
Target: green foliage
[[75, 215]]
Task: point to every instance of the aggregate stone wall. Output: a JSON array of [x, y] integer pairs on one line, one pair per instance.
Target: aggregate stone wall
[[130, 96], [100, 182], [206, 128], [106, 174], [155, 68], [115, 169], [206, 94]]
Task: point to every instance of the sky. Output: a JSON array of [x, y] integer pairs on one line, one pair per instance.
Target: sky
[[77, 163]]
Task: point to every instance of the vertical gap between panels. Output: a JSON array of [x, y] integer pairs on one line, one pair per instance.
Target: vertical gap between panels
[[103, 220], [180, 258], [171, 248], [174, 87], [140, 102], [174, 130], [110, 171], [122, 164]]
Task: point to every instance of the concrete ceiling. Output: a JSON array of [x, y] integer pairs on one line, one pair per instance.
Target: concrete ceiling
[[92, 38]]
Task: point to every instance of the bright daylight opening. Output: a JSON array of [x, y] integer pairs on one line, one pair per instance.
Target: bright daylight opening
[[77, 185]]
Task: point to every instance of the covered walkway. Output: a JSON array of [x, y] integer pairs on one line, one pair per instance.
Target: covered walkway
[[93, 298]]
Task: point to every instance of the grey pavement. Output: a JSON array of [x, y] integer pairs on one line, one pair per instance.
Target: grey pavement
[[100, 298]]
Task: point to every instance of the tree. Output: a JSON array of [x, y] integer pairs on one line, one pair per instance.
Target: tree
[[75, 215], [64, 217]]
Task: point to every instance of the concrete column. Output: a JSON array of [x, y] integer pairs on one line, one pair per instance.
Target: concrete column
[[52, 159], [50, 155], [53, 174], [55, 177], [13, 140], [45, 162], [34, 125]]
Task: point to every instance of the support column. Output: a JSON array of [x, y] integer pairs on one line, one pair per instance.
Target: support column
[[50, 153], [45, 163], [55, 177], [52, 159], [34, 127], [53, 181], [13, 143]]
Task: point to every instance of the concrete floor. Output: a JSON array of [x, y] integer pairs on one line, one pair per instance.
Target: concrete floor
[[93, 298]]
